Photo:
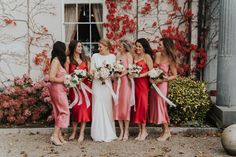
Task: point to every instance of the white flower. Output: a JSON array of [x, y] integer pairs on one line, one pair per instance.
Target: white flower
[[134, 69], [118, 67], [67, 80], [104, 72], [155, 73], [71, 80], [80, 73]]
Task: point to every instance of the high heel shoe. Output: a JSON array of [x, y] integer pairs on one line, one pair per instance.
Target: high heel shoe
[[166, 136], [54, 142]]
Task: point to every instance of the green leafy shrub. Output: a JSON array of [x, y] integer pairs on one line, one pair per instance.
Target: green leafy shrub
[[192, 101]]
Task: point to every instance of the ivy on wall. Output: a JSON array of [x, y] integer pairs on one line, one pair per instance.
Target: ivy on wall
[[177, 25]]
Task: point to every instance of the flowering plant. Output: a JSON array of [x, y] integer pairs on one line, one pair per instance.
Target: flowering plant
[[118, 67], [103, 72], [25, 101], [134, 70], [155, 73]]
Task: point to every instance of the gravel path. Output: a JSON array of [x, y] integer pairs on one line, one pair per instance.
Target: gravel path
[[180, 145]]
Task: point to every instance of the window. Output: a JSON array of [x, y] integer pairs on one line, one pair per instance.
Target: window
[[83, 21]]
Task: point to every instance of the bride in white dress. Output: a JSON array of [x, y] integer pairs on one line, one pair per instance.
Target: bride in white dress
[[103, 125]]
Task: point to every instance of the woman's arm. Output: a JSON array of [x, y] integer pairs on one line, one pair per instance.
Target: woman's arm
[[130, 62], [55, 65], [149, 64], [67, 64], [173, 71]]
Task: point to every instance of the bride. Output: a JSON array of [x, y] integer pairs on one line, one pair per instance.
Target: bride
[[103, 125]]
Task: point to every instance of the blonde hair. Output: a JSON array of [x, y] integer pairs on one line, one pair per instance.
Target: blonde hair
[[126, 45], [105, 42]]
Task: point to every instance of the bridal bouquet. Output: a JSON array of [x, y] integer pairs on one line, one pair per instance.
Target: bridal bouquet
[[134, 70], [118, 67], [155, 73], [103, 72], [73, 79]]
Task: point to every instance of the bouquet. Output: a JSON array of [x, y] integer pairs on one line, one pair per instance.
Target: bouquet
[[103, 72], [134, 70], [73, 79], [118, 67], [155, 73], [81, 74]]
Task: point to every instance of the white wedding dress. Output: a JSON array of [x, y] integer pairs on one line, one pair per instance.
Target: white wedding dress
[[103, 125]]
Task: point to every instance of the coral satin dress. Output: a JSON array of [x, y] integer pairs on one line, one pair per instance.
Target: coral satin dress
[[121, 111], [140, 110], [80, 113], [158, 112], [59, 99]]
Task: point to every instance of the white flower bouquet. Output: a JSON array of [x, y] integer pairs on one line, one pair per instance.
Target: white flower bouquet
[[73, 79], [103, 72], [155, 73], [81, 74], [118, 67], [134, 70]]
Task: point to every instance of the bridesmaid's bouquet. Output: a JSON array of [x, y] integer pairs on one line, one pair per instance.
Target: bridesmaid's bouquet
[[155, 73], [81, 74], [73, 79], [103, 72], [118, 67], [134, 70]]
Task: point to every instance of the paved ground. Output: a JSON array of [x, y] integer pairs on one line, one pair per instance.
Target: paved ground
[[36, 144]]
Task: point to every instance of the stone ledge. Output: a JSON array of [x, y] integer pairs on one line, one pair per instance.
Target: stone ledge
[[223, 116]]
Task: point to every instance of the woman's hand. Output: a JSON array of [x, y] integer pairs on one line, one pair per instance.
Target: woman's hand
[[156, 81], [117, 75]]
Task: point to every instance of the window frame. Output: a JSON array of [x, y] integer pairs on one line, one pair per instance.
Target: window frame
[[64, 2]]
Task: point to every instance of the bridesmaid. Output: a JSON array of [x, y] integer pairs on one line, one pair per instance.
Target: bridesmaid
[[121, 111], [58, 92], [142, 58], [166, 61], [80, 113]]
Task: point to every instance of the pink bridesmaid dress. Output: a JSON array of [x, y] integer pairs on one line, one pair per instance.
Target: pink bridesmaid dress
[[60, 103], [158, 112], [139, 115], [121, 111]]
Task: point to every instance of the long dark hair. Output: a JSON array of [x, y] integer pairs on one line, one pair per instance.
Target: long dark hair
[[59, 51], [146, 46], [72, 46], [170, 48]]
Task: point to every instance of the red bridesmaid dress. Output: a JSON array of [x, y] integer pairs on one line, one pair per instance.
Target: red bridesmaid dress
[[80, 113], [140, 110]]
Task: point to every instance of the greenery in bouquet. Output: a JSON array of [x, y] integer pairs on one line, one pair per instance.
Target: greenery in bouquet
[[192, 100]]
